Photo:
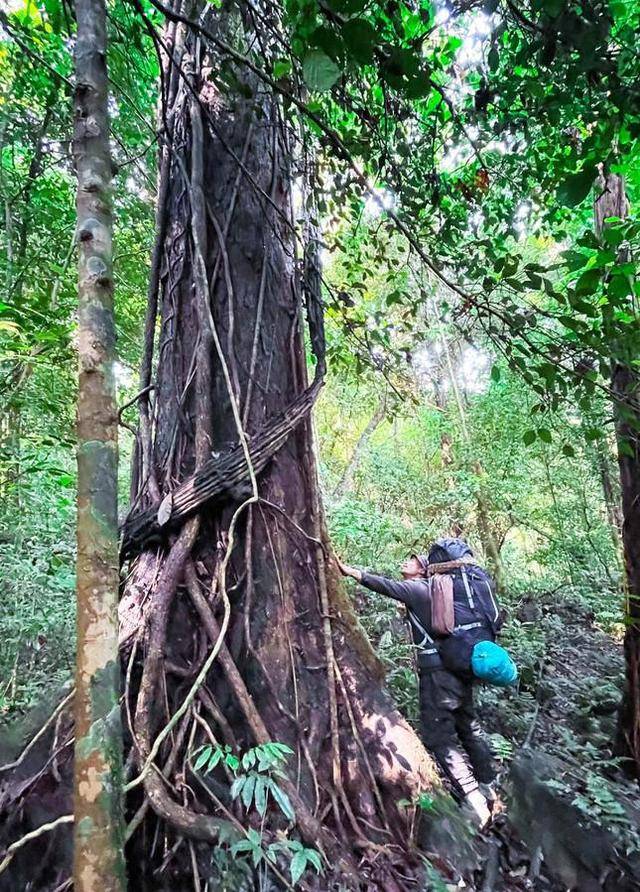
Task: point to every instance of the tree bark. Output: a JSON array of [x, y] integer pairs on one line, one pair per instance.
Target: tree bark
[[604, 464], [98, 836], [235, 627], [625, 384], [294, 665], [610, 490]]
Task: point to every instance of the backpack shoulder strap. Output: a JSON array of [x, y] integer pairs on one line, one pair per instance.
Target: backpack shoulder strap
[[483, 602], [468, 589]]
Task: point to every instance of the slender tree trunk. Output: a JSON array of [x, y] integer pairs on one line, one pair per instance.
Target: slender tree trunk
[[98, 837], [490, 542], [345, 483], [603, 461], [625, 384], [488, 538], [609, 491]]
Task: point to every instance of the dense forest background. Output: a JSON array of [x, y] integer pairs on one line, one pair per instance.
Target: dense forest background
[[475, 312]]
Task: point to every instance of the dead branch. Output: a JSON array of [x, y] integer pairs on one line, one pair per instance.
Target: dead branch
[[54, 715], [34, 834]]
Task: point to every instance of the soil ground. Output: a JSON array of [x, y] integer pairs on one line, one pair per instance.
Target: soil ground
[[561, 784]]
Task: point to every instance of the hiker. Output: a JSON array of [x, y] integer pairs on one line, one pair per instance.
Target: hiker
[[449, 727]]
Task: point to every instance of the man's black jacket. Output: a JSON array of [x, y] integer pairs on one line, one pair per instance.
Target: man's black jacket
[[471, 624]]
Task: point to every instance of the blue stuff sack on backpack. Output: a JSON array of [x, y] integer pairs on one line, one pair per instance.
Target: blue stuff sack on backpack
[[491, 663]]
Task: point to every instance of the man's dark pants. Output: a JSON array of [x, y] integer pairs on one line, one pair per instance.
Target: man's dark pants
[[450, 730]]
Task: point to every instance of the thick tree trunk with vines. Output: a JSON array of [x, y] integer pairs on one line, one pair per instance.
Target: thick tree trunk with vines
[[293, 666], [235, 628]]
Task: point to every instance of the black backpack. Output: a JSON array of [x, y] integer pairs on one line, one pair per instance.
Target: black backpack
[[477, 615]]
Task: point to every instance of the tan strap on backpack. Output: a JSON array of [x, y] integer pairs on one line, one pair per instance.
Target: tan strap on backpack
[[448, 566], [442, 611]]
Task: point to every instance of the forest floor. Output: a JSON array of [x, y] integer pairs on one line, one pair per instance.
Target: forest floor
[[571, 818], [564, 791]]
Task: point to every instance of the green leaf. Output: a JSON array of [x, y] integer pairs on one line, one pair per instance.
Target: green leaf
[[544, 434], [577, 186], [260, 795], [254, 837], [613, 236], [320, 72], [237, 785], [314, 857], [297, 866], [588, 281], [54, 14], [495, 372], [202, 758], [619, 287], [360, 37], [227, 833], [279, 750], [247, 790], [283, 800], [581, 306], [216, 756], [568, 450], [281, 68], [529, 437], [249, 759], [426, 802]]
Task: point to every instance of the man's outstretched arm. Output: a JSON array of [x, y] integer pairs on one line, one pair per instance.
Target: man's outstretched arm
[[407, 591]]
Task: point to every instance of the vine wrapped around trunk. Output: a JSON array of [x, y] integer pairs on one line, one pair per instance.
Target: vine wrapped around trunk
[[294, 666], [235, 629]]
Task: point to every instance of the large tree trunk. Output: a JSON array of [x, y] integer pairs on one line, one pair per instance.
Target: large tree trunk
[[235, 629], [293, 665], [98, 836], [625, 386]]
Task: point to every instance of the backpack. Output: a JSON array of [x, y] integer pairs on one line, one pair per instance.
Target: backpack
[[466, 618]]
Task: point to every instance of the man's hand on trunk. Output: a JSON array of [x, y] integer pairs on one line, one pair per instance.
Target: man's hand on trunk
[[348, 571]]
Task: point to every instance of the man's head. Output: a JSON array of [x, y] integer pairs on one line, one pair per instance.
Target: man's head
[[415, 566]]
